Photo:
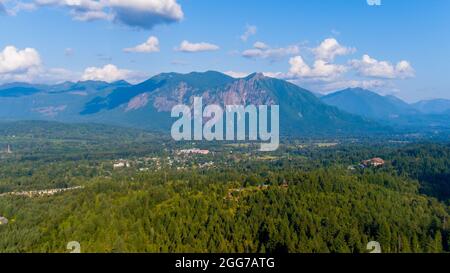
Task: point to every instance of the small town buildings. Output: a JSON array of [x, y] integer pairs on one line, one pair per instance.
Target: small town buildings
[[193, 151], [121, 164], [374, 162], [6, 150], [41, 193]]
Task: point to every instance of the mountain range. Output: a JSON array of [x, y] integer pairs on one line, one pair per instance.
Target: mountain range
[[147, 105], [430, 114], [436, 106]]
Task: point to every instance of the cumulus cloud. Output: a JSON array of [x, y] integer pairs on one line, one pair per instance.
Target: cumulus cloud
[[108, 73], [146, 13], [249, 31], [321, 73], [13, 60], [404, 69], [261, 50], [321, 69], [330, 48], [371, 67], [136, 13], [189, 47], [25, 65], [151, 45]]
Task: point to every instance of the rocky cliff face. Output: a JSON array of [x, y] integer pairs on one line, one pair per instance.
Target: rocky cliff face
[[238, 92]]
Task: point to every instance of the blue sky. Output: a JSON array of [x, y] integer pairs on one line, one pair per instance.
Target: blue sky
[[400, 47]]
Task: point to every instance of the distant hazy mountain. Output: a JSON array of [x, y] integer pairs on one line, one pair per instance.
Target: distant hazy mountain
[[369, 104], [388, 110], [19, 89], [61, 102], [437, 106], [148, 104]]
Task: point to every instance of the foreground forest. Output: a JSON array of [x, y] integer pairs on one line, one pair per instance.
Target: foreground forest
[[309, 196]]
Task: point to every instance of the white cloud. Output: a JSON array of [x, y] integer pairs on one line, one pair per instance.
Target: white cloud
[[55, 75], [13, 60], [404, 69], [189, 47], [151, 45], [91, 15], [240, 75], [41, 74], [69, 51], [371, 67], [260, 45], [237, 75], [321, 69], [261, 50], [136, 13], [325, 75], [365, 84], [330, 48], [108, 73], [146, 13], [2, 8], [249, 31], [276, 75], [26, 66], [17, 6]]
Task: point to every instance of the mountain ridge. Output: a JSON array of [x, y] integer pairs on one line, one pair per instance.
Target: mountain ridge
[[147, 105], [433, 106]]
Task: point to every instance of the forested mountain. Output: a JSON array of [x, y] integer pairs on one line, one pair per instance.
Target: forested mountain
[[148, 104], [369, 104], [300, 110]]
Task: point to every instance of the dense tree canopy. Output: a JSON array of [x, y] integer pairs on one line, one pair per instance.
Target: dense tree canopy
[[306, 197]]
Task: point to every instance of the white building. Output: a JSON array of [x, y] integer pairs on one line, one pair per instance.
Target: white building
[[3, 221], [194, 151], [121, 164]]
